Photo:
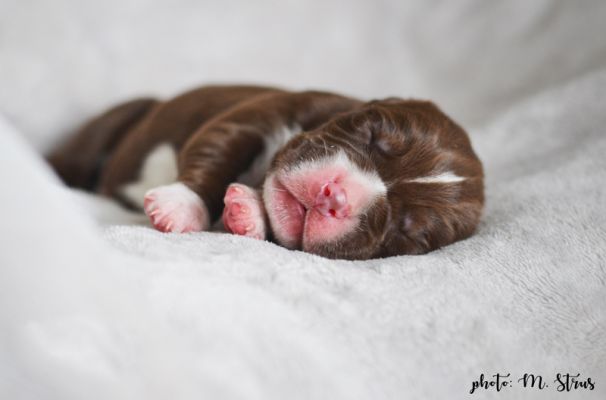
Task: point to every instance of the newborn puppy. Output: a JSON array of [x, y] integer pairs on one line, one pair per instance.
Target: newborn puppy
[[316, 171]]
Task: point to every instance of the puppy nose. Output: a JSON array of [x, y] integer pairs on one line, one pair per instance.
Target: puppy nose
[[332, 201]]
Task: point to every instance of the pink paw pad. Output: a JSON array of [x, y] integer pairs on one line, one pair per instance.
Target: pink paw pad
[[175, 208], [243, 213]]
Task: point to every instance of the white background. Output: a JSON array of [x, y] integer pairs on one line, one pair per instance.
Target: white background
[[62, 61]]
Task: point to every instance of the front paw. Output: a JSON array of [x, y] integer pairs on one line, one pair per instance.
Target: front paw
[[176, 208], [244, 213]]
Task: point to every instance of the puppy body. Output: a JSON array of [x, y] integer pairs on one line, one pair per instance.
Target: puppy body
[[312, 170]]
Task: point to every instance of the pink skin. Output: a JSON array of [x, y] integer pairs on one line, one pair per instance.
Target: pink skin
[[287, 213], [315, 204], [175, 208], [332, 201], [244, 213]]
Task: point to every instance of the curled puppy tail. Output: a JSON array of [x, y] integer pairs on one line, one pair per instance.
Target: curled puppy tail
[[79, 160]]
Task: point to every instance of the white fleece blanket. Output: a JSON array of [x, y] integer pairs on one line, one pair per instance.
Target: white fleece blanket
[[94, 304]]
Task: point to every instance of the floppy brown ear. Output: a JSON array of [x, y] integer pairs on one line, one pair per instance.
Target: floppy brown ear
[[78, 161], [424, 229], [417, 141]]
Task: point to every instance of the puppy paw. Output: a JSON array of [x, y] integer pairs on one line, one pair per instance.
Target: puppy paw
[[244, 213], [176, 208]]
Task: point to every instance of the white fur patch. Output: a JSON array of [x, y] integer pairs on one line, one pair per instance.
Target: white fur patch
[[159, 168], [369, 179], [255, 175], [444, 177]]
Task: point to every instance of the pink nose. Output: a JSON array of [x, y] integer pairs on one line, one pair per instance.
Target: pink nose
[[332, 201]]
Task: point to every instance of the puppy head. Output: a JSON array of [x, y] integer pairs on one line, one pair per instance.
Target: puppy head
[[393, 177]]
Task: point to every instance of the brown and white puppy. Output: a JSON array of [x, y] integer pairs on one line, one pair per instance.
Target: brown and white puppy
[[316, 171]]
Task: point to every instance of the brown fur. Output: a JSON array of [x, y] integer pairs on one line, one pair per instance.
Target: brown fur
[[80, 159], [401, 140], [219, 130]]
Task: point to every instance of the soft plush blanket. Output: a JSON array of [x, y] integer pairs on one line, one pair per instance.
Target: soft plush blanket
[[104, 310], [95, 304]]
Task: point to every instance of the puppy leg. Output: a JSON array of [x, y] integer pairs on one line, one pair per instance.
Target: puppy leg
[[226, 147], [244, 213], [80, 160], [221, 151]]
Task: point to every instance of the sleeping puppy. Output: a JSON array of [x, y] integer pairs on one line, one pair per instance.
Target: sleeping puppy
[[315, 171]]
